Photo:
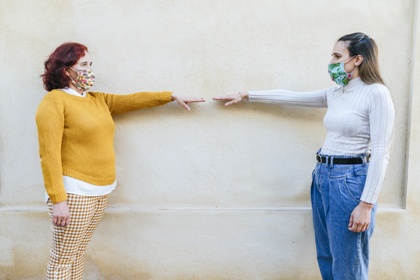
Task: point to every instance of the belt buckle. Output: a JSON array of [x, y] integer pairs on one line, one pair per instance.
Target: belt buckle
[[318, 158]]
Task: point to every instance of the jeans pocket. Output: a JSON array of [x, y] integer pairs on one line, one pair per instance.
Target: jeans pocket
[[348, 186], [353, 186]]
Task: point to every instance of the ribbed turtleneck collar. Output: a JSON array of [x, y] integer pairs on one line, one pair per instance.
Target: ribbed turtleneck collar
[[353, 83]]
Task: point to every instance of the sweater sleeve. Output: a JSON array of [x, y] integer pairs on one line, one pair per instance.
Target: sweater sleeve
[[121, 103], [309, 99], [50, 124], [381, 119]]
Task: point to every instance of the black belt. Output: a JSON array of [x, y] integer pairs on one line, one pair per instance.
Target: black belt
[[337, 160]]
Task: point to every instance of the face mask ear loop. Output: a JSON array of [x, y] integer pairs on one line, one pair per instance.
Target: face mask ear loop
[[73, 81], [76, 84], [351, 73], [350, 59]]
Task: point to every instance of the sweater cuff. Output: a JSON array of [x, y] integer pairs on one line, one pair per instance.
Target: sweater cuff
[[167, 95], [58, 198], [251, 96]]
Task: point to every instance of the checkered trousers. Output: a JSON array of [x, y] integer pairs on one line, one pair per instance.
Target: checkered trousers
[[69, 243]]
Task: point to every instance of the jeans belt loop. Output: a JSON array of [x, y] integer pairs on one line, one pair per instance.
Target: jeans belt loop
[[331, 162]]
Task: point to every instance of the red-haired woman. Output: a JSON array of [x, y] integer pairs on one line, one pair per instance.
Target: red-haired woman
[[76, 134]]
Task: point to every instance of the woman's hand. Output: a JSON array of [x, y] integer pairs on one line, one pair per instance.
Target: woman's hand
[[360, 217], [233, 98], [184, 100], [60, 214]]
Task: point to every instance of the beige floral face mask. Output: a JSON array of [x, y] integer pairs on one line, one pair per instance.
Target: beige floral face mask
[[84, 80]]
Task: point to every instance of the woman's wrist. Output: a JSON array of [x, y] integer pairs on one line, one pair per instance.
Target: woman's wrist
[[366, 204], [244, 95]]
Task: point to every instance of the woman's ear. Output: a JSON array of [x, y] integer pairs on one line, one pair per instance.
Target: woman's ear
[[359, 60]]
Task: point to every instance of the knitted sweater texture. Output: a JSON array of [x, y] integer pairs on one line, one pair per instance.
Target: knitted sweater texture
[[76, 135], [359, 120]]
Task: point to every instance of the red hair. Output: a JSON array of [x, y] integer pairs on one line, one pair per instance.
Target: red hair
[[64, 56]]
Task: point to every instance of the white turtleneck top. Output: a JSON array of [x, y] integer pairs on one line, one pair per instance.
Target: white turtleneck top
[[359, 120]]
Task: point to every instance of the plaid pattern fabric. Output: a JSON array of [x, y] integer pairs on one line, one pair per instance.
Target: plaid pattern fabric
[[69, 243]]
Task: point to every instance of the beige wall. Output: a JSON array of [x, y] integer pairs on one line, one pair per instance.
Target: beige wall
[[215, 193]]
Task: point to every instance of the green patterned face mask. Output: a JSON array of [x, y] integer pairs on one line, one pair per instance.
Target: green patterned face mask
[[338, 74]]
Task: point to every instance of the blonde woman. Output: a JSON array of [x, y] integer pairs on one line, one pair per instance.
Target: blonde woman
[[351, 165]]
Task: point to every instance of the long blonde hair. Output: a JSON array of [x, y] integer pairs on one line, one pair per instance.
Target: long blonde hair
[[361, 44]]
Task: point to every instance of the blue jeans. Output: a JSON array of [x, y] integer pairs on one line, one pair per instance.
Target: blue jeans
[[335, 192]]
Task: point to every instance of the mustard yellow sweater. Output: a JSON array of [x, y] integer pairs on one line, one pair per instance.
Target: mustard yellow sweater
[[76, 135]]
